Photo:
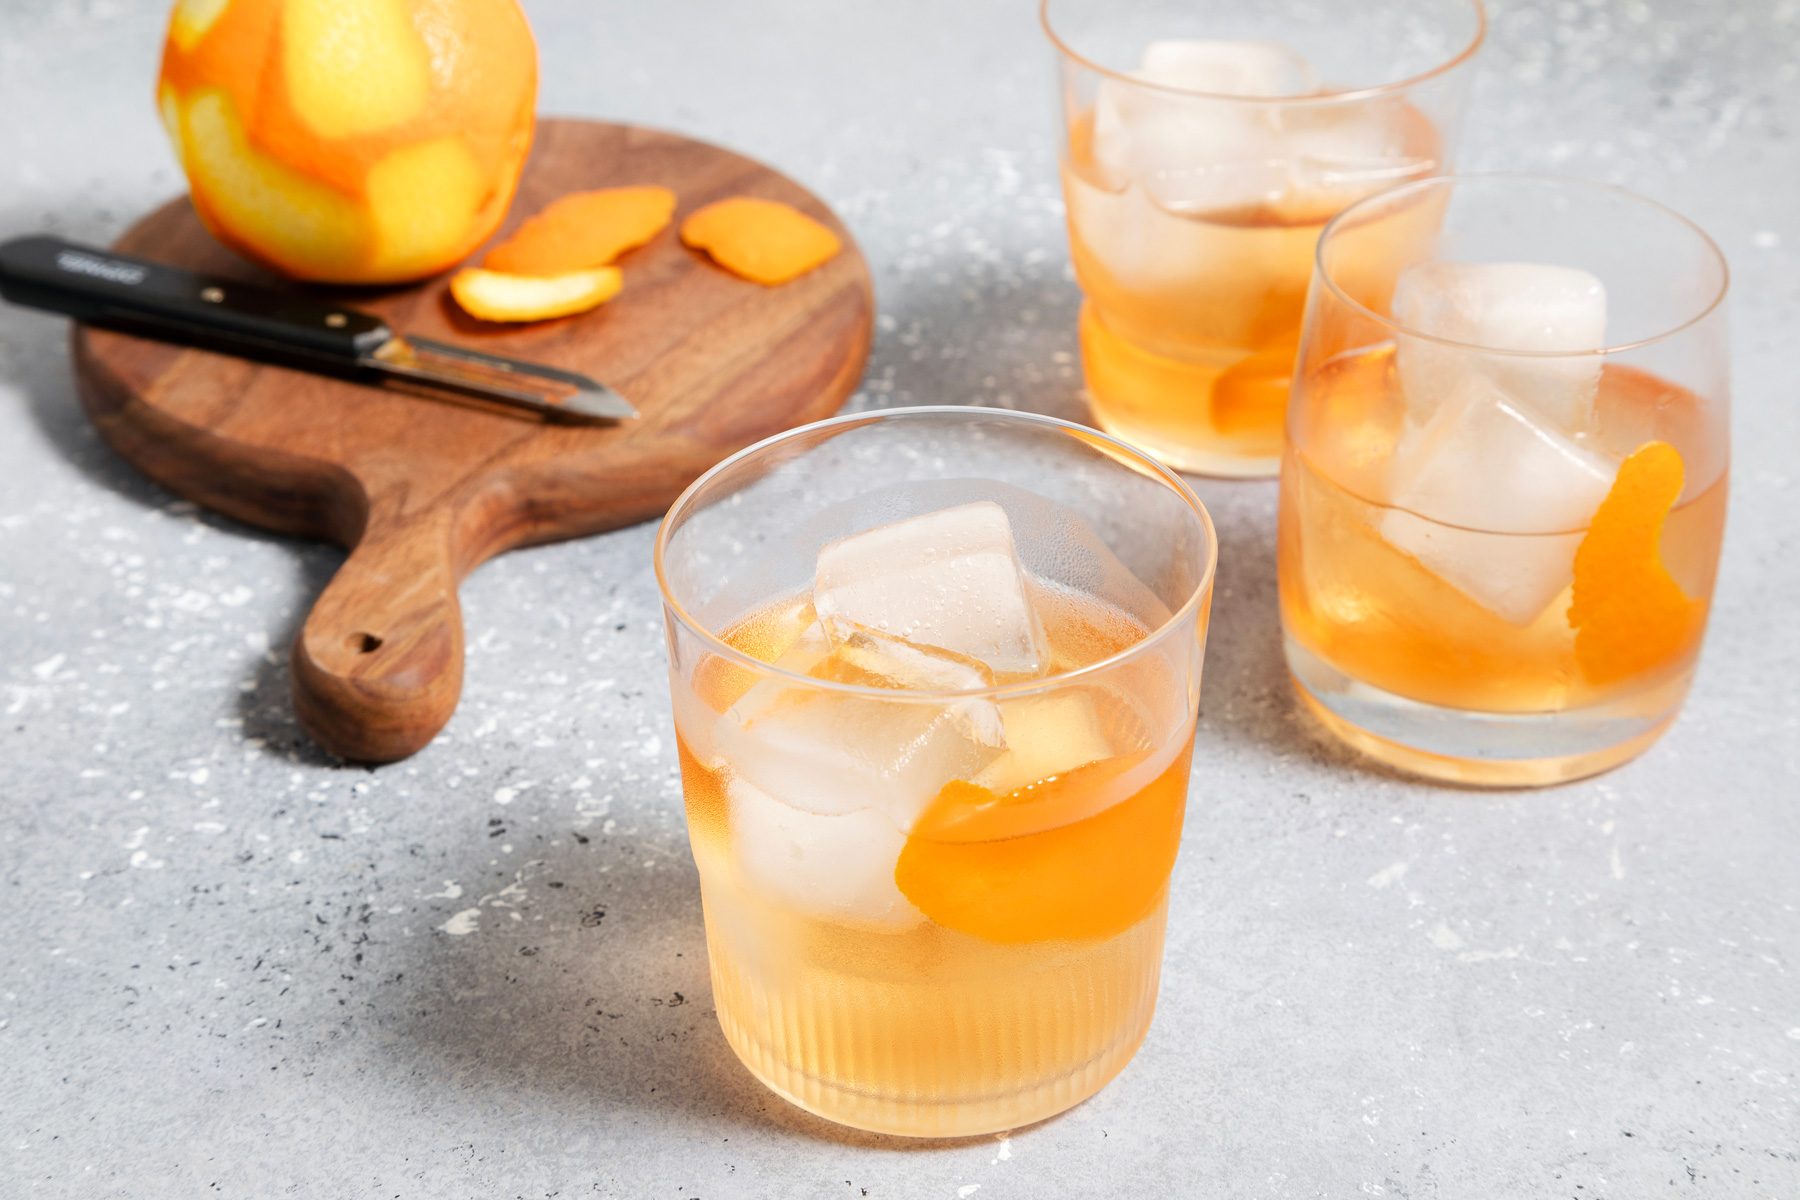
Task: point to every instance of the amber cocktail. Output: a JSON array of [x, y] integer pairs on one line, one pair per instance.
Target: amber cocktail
[[935, 675], [1504, 490], [1205, 146]]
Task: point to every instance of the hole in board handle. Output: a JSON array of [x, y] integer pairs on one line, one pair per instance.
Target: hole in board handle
[[364, 643]]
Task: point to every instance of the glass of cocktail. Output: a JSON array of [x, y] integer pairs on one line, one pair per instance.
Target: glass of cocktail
[[1504, 487], [935, 674], [1205, 144]]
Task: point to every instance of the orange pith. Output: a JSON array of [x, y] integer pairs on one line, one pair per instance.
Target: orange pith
[[1628, 612], [968, 812], [356, 141], [498, 296]]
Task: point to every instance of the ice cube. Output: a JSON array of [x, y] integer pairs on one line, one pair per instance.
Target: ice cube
[[1339, 153], [1092, 739], [1191, 154], [1196, 152], [1045, 735], [829, 752], [1504, 306], [1227, 68], [836, 867], [873, 659], [949, 580], [1495, 500]]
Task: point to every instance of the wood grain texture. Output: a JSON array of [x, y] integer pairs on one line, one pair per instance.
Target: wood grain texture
[[421, 490]]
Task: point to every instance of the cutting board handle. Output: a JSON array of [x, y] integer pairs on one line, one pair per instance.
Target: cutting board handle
[[377, 668]]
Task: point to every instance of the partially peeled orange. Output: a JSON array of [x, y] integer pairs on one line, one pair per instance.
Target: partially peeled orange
[[350, 141]]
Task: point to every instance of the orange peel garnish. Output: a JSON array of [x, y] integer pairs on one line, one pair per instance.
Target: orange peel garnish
[[499, 296], [764, 241], [584, 230], [968, 812], [1629, 614], [1048, 866], [1251, 396]]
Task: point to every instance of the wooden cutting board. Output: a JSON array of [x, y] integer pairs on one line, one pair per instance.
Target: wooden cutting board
[[422, 491]]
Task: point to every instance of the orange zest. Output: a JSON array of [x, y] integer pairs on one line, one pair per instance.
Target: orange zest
[[968, 812], [1251, 396], [1628, 612], [498, 296], [1094, 876], [584, 230], [764, 241]]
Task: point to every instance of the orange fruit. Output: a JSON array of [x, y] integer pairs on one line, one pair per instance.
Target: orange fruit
[[350, 141], [499, 296]]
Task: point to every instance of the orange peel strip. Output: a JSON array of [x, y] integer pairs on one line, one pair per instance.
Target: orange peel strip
[[584, 230], [764, 241], [968, 812], [1094, 877], [1251, 397], [1628, 612], [498, 296]]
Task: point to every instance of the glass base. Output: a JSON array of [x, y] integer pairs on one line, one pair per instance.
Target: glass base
[[1481, 749], [1188, 459], [967, 1118], [909, 1053]]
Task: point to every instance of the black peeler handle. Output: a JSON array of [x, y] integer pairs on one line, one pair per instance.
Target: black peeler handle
[[112, 289]]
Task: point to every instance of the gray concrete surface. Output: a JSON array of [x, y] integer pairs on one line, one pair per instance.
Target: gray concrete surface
[[230, 967]]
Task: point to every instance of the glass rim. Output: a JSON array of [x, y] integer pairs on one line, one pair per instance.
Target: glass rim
[[1134, 459], [1507, 178], [1323, 96]]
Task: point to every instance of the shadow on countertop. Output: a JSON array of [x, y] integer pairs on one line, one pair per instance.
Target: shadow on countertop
[[578, 981]]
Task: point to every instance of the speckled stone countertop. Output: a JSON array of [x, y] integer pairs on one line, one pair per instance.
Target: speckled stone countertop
[[229, 966]]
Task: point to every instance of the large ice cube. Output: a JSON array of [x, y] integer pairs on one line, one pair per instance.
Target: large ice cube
[[1198, 153], [1046, 735], [950, 580], [1091, 740], [1504, 306], [1227, 68], [1495, 500], [833, 752], [836, 867], [1339, 153], [865, 655]]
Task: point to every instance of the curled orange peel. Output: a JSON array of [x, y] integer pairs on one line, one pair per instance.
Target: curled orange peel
[[499, 296], [1049, 861], [1629, 614], [584, 230], [764, 241]]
